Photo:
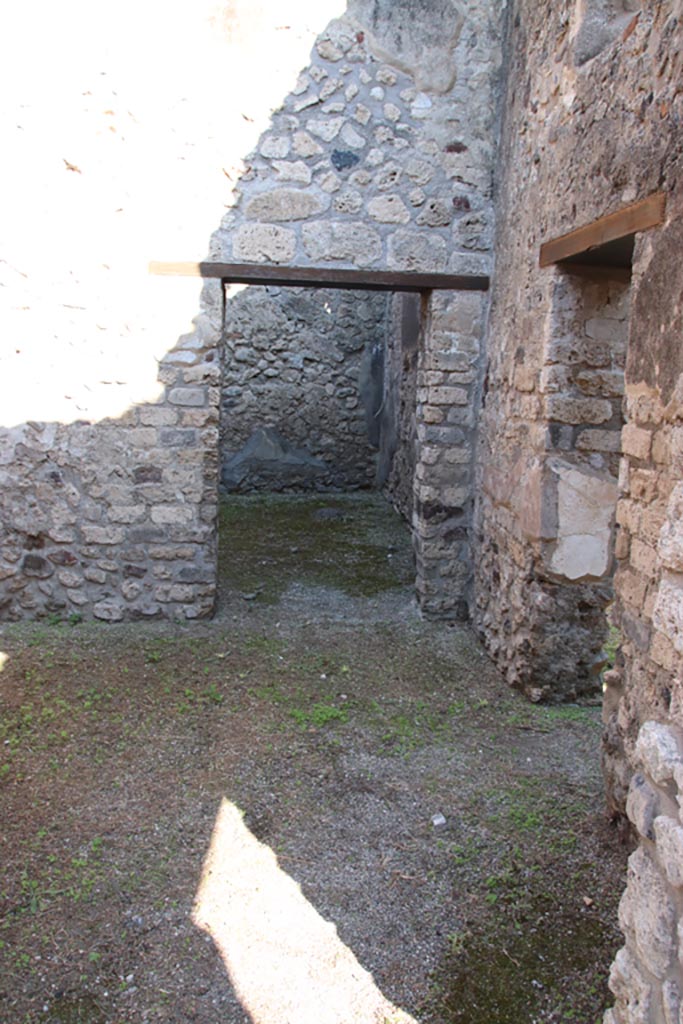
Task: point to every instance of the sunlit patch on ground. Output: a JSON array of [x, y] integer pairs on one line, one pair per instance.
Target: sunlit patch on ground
[[285, 961]]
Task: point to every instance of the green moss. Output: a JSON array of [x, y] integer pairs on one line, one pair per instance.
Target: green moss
[[350, 542]]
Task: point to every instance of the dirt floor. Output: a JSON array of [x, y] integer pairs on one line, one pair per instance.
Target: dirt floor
[[315, 808]]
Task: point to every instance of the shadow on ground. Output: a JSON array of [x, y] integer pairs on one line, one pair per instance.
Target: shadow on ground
[[449, 834]]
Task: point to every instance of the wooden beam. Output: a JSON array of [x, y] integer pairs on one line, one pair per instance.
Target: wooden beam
[[647, 213], [324, 277]]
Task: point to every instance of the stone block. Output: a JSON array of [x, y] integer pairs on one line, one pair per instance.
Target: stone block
[[178, 438], [631, 989], [388, 209], [305, 145], [668, 610], [127, 513], [448, 396], [157, 416], [670, 546], [648, 912], [669, 838], [636, 442], [566, 409], [599, 441], [353, 242], [284, 204], [585, 511], [110, 535], [643, 557], [108, 611], [412, 251], [264, 243], [195, 396], [658, 750], [172, 515], [293, 170], [642, 805]]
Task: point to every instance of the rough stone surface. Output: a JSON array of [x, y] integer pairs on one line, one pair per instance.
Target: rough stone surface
[[298, 361]]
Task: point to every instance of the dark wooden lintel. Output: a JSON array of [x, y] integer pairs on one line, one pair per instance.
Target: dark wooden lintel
[[324, 277], [646, 213]]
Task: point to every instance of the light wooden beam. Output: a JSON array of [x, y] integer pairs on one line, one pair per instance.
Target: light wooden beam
[[646, 213], [324, 277]]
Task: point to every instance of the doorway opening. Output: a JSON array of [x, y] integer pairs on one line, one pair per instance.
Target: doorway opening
[[317, 438]]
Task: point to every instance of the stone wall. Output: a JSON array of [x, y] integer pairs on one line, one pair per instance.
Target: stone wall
[[380, 157], [309, 365], [115, 520], [584, 134], [373, 160], [578, 142], [647, 974]]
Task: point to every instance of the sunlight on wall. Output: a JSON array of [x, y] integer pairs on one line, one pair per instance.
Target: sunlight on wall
[[285, 962], [123, 137], [4, 658]]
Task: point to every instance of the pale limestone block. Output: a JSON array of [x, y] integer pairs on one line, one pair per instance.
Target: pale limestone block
[[668, 610], [416, 197], [304, 145], [102, 534], [334, 108], [377, 93], [670, 546], [329, 50], [284, 204], [374, 158], [419, 171], [658, 750], [362, 114], [262, 243], [360, 177], [635, 441], [669, 838], [437, 213], [642, 805], [325, 128], [351, 91], [306, 101], [630, 988], [330, 87], [350, 137], [275, 146], [585, 513], [127, 513], [391, 112], [385, 76], [172, 515], [330, 183], [354, 242], [348, 201], [412, 251], [653, 914], [293, 170], [388, 210]]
